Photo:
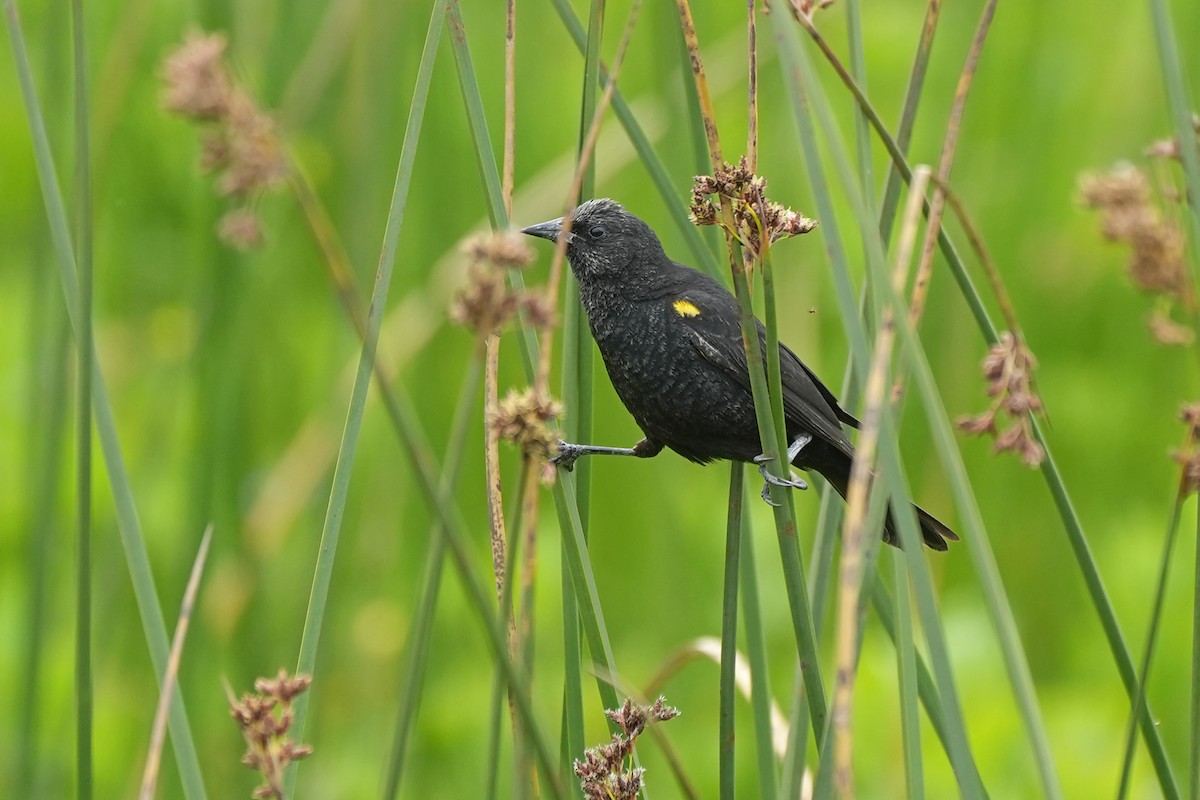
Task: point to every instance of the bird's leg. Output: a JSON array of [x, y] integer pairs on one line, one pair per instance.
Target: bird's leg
[[798, 444], [569, 453]]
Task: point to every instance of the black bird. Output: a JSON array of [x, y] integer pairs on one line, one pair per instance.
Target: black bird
[[671, 340]]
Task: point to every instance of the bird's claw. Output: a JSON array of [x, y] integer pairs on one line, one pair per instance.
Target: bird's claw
[[567, 455], [770, 480]]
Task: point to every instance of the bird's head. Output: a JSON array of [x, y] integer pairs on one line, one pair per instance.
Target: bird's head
[[604, 241]]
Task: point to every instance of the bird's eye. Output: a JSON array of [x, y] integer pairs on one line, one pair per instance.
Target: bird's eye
[[597, 232]]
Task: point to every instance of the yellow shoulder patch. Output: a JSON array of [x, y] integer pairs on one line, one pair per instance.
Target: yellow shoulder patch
[[686, 308]]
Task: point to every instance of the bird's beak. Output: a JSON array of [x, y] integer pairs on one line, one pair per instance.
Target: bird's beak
[[546, 230]]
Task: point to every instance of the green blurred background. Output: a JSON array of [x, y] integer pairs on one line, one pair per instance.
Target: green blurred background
[[230, 376]]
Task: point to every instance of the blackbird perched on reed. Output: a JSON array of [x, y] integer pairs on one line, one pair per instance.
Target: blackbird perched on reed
[[671, 340]]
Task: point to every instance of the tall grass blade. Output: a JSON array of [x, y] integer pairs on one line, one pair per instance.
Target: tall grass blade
[[908, 117], [416, 652], [47, 429], [662, 180], [1050, 471], [766, 404], [977, 545], [1160, 596], [484, 154], [159, 730], [756, 654], [84, 350], [577, 376], [729, 610], [1107, 614], [830, 513], [149, 609], [331, 529], [453, 529], [798, 78], [860, 537], [583, 581], [862, 128], [1182, 113], [1194, 744], [906, 668]]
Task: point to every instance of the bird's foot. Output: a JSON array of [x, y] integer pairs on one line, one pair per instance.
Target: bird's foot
[[568, 454], [799, 443], [770, 480]]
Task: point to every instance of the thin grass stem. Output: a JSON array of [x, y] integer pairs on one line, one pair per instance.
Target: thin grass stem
[[46, 411], [908, 116], [937, 204], [1182, 111], [906, 668], [856, 529], [133, 543], [729, 615], [416, 654], [84, 370], [756, 654], [453, 530], [785, 524], [662, 179], [577, 377], [339, 490], [1194, 744], [579, 565], [158, 731], [797, 75], [1156, 613]]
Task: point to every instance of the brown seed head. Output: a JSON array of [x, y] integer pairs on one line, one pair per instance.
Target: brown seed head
[[256, 161], [1156, 257], [1189, 414], [755, 217], [1008, 368], [1190, 462], [808, 7], [1169, 332], [522, 417], [602, 772], [485, 303], [241, 229], [503, 249], [265, 719], [1128, 214], [539, 310], [197, 84]]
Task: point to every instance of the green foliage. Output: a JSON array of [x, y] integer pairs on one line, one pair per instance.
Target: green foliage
[[224, 380]]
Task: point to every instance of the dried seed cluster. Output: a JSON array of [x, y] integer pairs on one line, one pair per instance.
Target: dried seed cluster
[[265, 719], [1129, 214], [239, 139], [809, 7], [1169, 148], [1189, 456], [755, 218], [486, 302], [603, 773], [522, 418], [1008, 369]]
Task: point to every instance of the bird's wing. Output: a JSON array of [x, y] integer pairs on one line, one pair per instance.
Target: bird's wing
[[717, 335], [786, 355]]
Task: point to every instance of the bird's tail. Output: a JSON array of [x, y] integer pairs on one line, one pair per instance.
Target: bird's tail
[[933, 530]]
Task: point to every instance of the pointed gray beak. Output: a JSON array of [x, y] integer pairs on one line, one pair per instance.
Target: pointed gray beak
[[546, 230]]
